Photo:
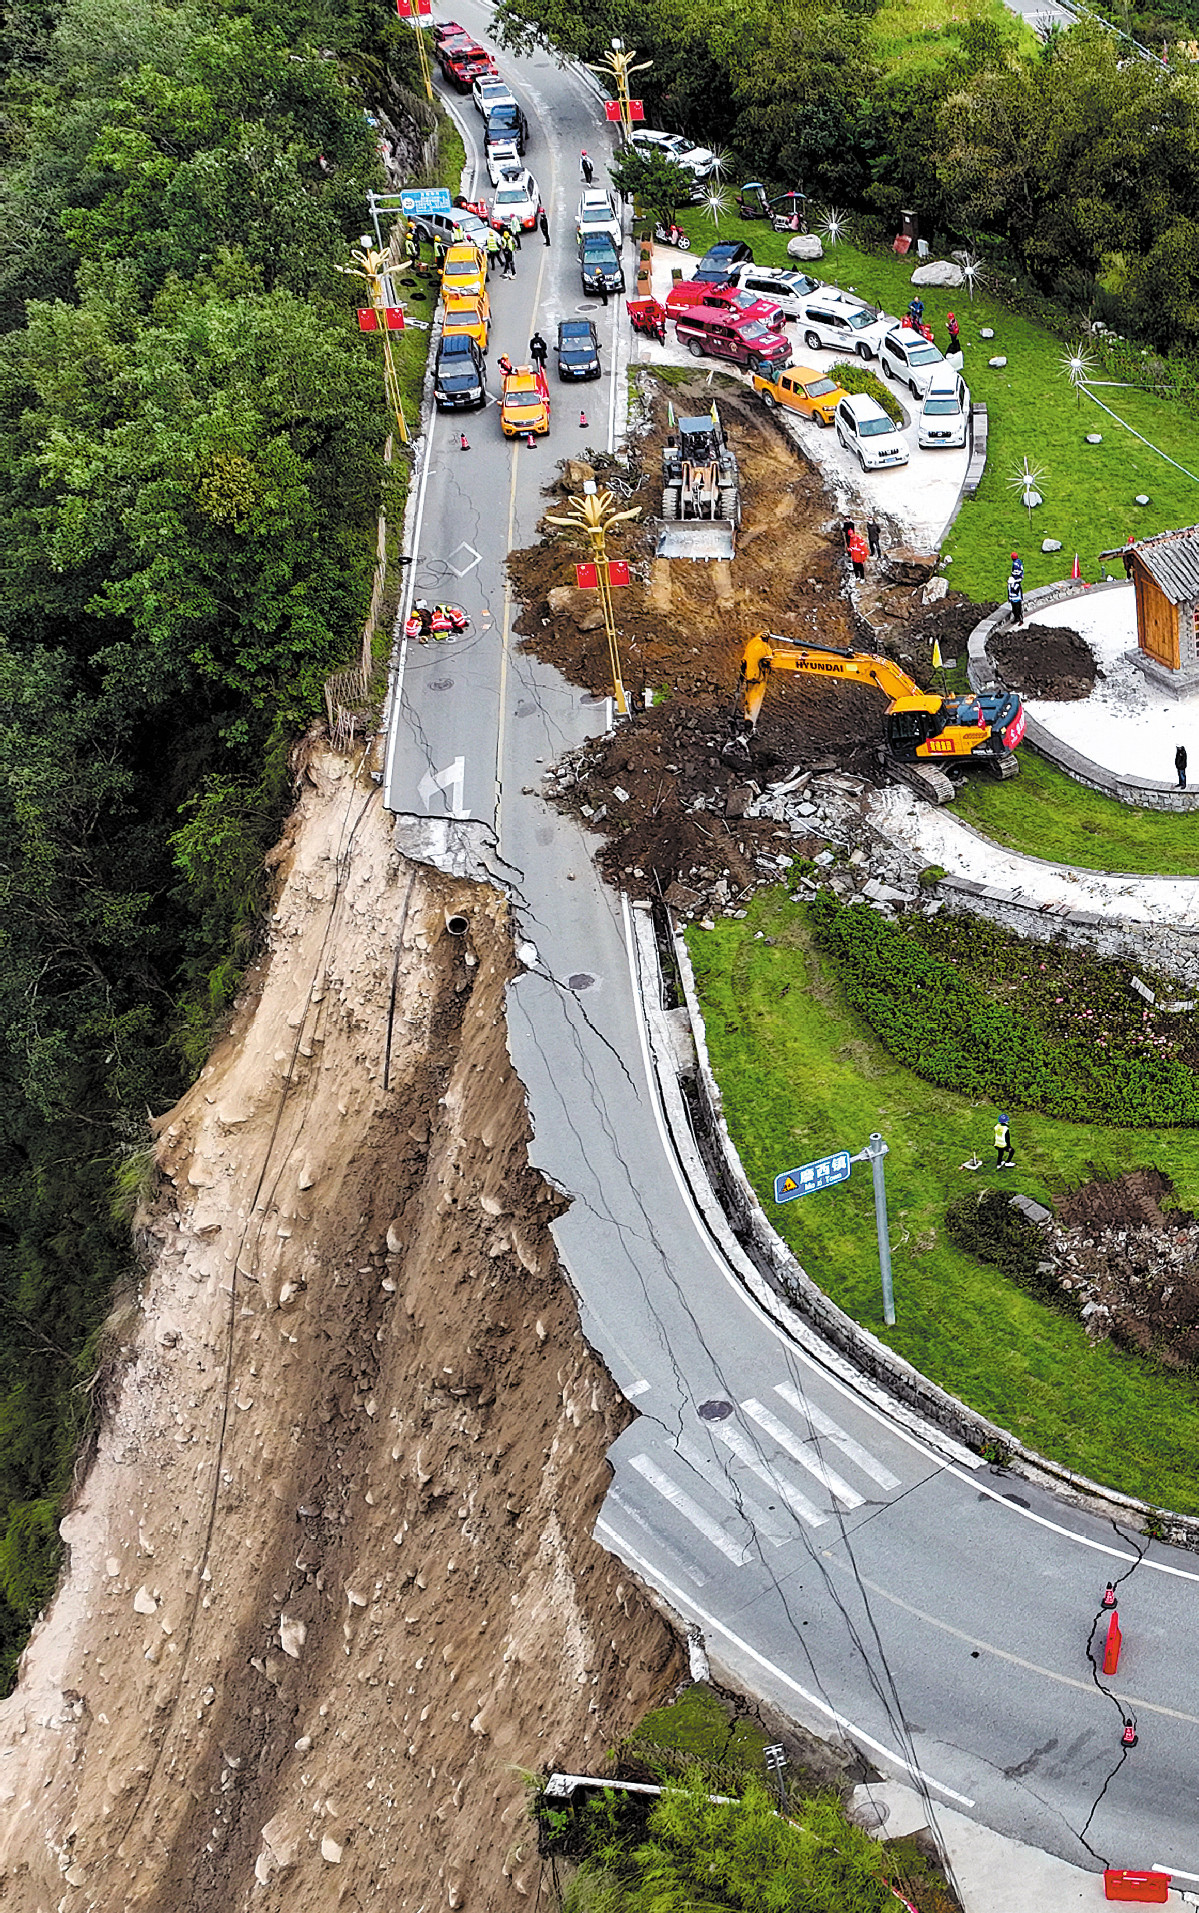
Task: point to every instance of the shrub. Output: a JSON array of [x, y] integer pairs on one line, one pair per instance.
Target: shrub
[[953, 1032], [988, 1226], [853, 377]]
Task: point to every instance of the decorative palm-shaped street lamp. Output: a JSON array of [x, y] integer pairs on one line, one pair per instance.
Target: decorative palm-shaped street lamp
[[616, 67], [594, 514], [373, 266]]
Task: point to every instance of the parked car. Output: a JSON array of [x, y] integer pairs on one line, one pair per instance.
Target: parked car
[[465, 270], [458, 378], [676, 147], [720, 259], [719, 335], [517, 196], [578, 349], [801, 389], [463, 314], [907, 355], [945, 414], [842, 323], [455, 227], [731, 299], [525, 406], [597, 213], [599, 263], [507, 132], [788, 289], [864, 429], [488, 92]]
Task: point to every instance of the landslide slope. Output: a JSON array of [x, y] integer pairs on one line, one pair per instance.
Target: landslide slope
[[330, 1578]]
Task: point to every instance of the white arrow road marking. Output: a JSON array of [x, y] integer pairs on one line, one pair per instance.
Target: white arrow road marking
[[826, 1426], [690, 1510], [805, 1456], [452, 779], [741, 1445]]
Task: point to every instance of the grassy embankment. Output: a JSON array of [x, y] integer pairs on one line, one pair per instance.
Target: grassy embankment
[[801, 1075]]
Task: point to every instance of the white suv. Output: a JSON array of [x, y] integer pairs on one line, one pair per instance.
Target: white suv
[[945, 414], [842, 323], [907, 355], [597, 213], [487, 92], [675, 146], [864, 429], [790, 290]]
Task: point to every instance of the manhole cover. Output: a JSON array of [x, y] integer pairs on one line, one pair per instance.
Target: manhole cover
[[715, 1411], [581, 980], [441, 684]]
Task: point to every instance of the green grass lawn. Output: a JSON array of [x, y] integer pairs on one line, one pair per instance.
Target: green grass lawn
[[1089, 490], [1046, 814], [801, 1075], [916, 36]]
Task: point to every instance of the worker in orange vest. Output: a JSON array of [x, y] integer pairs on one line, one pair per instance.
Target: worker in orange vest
[[858, 553]]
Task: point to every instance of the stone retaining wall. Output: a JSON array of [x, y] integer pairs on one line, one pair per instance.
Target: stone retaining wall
[[1164, 949]]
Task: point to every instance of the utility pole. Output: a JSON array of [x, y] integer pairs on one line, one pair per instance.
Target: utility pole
[[595, 513], [873, 1153], [373, 267], [616, 67]]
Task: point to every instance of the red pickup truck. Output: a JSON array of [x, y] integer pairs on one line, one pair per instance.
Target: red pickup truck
[[462, 65], [709, 333], [744, 308]]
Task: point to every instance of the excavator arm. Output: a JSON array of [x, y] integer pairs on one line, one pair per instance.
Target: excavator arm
[[767, 652]]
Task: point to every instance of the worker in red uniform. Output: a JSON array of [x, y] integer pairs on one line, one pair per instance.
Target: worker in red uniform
[[858, 553]]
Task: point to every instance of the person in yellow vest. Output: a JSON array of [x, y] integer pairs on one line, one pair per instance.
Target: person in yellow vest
[[1005, 1155]]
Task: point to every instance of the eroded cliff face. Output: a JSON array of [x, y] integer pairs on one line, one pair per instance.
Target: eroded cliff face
[[331, 1582]]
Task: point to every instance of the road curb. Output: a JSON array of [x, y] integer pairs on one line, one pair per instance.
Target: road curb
[[784, 1290]]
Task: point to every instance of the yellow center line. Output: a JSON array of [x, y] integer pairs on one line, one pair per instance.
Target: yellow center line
[[506, 614]]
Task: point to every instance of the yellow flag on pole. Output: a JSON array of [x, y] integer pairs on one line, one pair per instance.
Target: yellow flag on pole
[[936, 656]]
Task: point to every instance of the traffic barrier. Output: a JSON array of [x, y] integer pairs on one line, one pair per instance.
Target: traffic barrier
[[1111, 1651], [1150, 1889]]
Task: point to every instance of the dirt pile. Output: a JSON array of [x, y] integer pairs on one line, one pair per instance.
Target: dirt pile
[[1131, 1267], [671, 809], [1044, 660], [331, 1580]]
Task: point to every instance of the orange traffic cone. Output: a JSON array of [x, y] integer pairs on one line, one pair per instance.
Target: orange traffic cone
[[582, 421], [530, 441], [464, 441], [1076, 573]]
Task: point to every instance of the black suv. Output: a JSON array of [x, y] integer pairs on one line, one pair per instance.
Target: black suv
[[458, 379], [578, 350], [599, 263], [507, 128]]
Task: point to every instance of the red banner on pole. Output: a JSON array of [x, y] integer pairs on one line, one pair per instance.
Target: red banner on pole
[[368, 319], [424, 7], [588, 577], [612, 110], [618, 572], [636, 109], [404, 9], [393, 317]]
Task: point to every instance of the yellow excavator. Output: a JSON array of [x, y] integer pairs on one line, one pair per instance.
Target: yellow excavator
[[920, 730]]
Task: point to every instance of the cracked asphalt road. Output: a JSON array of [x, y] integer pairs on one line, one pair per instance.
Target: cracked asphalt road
[[852, 1573]]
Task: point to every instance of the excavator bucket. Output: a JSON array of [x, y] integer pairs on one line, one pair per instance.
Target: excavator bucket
[[696, 538]]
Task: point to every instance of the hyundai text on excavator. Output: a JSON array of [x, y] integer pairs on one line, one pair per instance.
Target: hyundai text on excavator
[[921, 731]]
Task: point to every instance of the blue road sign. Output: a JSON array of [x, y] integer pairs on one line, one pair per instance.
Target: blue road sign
[[424, 199], [821, 1174]]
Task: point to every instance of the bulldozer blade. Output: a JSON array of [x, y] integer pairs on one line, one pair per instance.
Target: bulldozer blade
[[697, 539]]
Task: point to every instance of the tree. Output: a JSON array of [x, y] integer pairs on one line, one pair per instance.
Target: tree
[[656, 183]]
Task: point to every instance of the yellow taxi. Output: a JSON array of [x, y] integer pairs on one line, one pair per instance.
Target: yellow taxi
[[801, 389], [465, 270], [526, 403], [466, 313]]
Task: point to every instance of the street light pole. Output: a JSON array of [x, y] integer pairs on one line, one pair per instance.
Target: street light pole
[[373, 266], [873, 1153], [616, 66], [594, 514]]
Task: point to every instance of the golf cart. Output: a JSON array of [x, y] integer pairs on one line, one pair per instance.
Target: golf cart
[[787, 212]]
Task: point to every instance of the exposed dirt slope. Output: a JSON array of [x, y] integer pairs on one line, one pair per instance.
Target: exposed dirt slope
[[331, 1581]]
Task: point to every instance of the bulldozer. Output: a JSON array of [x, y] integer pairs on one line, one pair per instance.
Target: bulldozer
[[701, 490], [921, 731]]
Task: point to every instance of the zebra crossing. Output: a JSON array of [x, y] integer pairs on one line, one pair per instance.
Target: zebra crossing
[[783, 1445]]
